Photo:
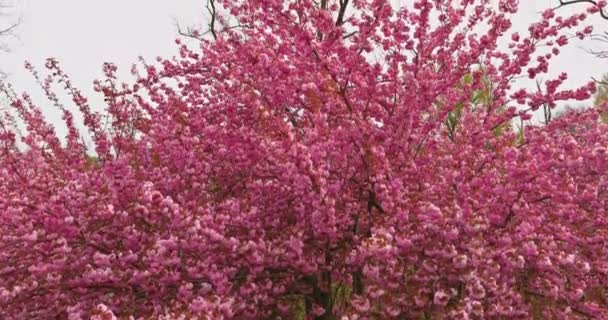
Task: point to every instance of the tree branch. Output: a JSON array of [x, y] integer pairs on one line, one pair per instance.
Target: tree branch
[[9, 29], [603, 14], [340, 19], [212, 12]]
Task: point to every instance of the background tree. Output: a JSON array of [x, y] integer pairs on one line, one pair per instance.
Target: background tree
[[8, 22], [8, 25], [601, 96]]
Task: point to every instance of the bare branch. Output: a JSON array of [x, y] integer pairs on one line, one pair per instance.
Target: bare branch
[[602, 37], [194, 33], [323, 5], [212, 12], [350, 35], [340, 19], [189, 32], [9, 29], [4, 12], [600, 82], [602, 54], [6, 31]]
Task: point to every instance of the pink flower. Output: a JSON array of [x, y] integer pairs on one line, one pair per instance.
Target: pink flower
[[562, 41], [530, 249], [441, 298], [362, 305]]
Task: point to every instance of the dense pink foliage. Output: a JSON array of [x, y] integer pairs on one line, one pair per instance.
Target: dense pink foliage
[[297, 166]]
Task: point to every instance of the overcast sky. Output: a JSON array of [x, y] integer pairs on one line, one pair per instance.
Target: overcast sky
[[82, 34]]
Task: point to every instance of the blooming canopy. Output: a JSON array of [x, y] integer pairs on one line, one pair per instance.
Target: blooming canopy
[[329, 160]]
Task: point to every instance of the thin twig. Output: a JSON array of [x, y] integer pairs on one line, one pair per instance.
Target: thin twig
[[603, 14]]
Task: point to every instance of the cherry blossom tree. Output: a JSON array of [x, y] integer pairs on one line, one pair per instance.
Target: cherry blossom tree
[[332, 160], [8, 25]]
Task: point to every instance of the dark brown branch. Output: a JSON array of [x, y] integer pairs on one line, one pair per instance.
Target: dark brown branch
[[340, 19], [211, 9], [372, 202], [349, 35], [323, 7], [546, 108]]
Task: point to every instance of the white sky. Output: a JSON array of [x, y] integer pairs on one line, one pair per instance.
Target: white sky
[[82, 34]]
